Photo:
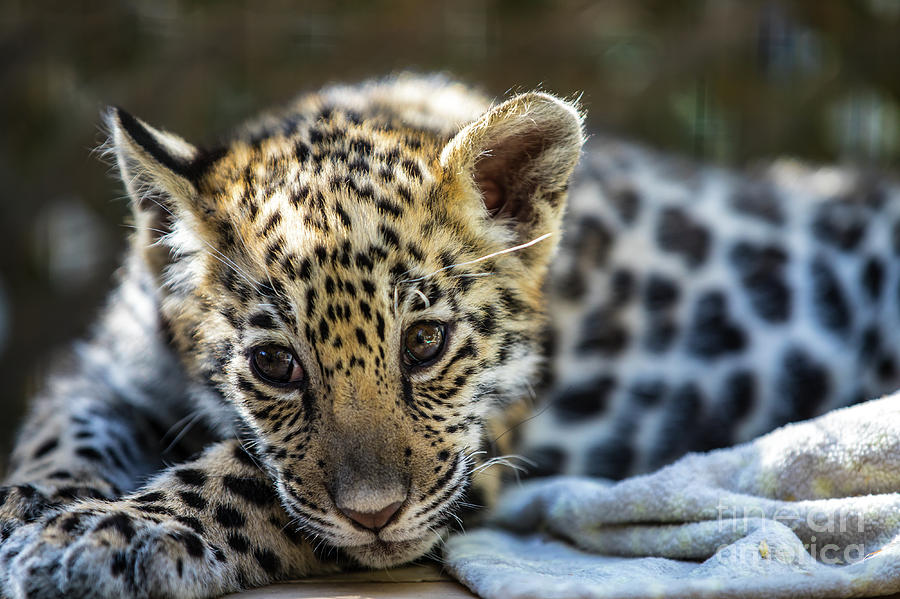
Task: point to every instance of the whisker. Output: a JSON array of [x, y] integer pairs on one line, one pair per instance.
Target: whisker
[[472, 274], [459, 522], [226, 260], [191, 421], [504, 460], [437, 533], [424, 298], [473, 454], [516, 248], [247, 445], [533, 397]]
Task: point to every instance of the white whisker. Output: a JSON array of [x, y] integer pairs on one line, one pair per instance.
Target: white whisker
[[458, 521], [472, 274], [505, 460], [516, 248], [424, 298]]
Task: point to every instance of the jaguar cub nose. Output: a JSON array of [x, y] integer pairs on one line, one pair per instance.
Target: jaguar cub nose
[[374, 521]]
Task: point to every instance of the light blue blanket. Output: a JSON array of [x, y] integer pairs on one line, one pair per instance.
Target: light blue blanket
[[809, 510]]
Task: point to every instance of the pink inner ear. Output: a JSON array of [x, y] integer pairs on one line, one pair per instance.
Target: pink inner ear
[[491, 194]]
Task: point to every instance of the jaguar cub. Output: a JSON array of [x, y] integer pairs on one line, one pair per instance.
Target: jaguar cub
[[332, 304]]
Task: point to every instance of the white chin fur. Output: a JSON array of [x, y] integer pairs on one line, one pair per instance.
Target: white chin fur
[[382, 554]]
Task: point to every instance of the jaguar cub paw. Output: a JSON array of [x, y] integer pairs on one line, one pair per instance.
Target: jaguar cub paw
[[93, 553]]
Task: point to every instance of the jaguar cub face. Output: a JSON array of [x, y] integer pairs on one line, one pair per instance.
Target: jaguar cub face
[[358, 295]]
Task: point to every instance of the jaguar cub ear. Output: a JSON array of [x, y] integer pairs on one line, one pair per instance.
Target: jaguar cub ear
[[154, 165], [161, 172], [519, 155]]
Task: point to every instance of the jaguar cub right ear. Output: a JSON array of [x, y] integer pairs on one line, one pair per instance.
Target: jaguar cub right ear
[[161, 172], [153, 164], [520, 155]]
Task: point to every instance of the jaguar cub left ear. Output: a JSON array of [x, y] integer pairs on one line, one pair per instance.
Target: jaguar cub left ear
[[520, 155]]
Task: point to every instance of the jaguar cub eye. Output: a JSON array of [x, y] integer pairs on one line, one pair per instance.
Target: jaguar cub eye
[[423, 342], [276, 365]]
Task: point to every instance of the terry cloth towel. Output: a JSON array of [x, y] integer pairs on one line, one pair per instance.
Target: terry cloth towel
[[809, 510]]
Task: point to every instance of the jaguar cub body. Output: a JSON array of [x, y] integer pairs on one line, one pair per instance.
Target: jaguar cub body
[[340, 296], [693, 308], [341, 307]]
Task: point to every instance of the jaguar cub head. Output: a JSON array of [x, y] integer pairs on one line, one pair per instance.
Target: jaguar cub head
[[355, 293]]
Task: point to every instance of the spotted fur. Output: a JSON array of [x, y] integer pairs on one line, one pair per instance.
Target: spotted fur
[[327, 228], [694, 308]]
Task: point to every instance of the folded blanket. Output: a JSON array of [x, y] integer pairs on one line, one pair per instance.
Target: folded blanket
[[809, 510]]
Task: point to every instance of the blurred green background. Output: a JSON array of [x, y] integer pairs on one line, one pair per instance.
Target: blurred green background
[[724, 81]]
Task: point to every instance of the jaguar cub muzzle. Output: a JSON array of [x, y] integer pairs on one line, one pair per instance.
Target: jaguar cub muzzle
[[370, 482]]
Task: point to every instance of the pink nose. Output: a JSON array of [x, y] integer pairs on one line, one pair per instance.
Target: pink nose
[[373, 520]]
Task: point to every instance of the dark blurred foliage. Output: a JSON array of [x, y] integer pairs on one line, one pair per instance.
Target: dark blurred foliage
[[726, 81]]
